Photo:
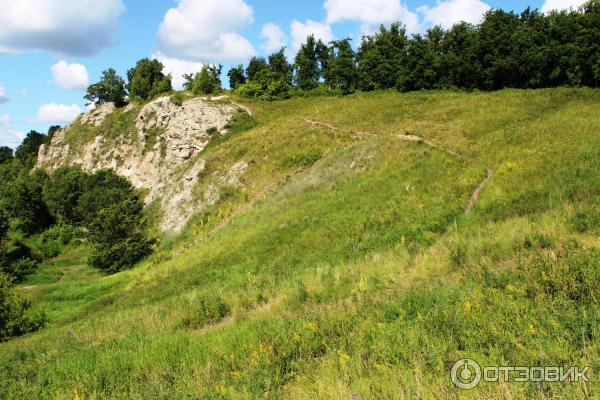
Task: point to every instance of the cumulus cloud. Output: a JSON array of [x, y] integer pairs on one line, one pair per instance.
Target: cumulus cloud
[[8, 135], [206, 31], [70, 76], [449, 12], [302, 30], [72, 27], [57, 113], [3, 95], [550, 5], [274, 38], [177, 67], [371, 13]]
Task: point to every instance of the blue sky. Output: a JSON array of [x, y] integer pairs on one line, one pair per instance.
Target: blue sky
[[50, 50]]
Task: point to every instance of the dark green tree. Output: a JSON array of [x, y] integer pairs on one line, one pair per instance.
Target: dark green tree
[[146, 80], [110, 89], [118, 235], [207, 81], [306, 65], [62, 192], [279, 65], [342, 73], [6, 154], [256, 67], [29, 148], [237, 77]]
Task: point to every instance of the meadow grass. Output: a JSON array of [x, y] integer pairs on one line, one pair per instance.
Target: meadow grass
[[344, 265]]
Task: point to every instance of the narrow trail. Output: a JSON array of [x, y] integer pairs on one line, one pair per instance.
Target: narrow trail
[[477, 192], [418, 139]]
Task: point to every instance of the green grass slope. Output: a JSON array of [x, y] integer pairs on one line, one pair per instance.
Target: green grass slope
[[345, 265]]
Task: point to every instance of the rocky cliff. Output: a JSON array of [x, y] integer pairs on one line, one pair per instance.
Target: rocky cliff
[[157, 146]]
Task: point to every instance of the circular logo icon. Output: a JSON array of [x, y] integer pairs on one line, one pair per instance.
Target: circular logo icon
[[466, 374]]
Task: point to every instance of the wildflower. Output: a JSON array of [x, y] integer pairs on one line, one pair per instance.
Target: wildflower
[[468, 307]]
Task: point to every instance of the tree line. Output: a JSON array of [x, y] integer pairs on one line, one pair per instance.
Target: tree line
[[506, 50]]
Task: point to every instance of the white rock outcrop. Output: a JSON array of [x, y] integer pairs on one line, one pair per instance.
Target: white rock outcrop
[[163, 158]]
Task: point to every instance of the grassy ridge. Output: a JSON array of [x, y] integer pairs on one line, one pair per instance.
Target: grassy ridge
[[345, 265]]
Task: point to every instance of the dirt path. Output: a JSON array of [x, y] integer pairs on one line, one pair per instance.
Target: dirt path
[[418, 139]]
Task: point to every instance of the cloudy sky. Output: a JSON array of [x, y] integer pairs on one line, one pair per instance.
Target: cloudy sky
[[50, 50]]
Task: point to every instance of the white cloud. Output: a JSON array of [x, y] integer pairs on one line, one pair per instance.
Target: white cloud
[[3, 95], [8, 135], [302, 30], [371, 13], [274, 38], [70, 76], [449, 12], [177, 67], [206, 31], [74, 27], [550, 5], [57, 113]]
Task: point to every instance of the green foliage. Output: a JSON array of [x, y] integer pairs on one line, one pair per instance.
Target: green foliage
[[6, 154], [304, 159], [110, 89], [118, 236], [587, 218], [21, 199], [29, 148], [146, 80], [177, 99], [14, 318], [237, 77], [207, 81], [306, 65], [208, 309], [53, 240], [341, 72], [62, 192]]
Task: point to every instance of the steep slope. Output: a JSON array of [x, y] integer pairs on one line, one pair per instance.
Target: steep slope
[[342, 263], [157, 146]]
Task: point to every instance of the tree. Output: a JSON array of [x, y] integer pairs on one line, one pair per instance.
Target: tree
[[381, 57], [306, 65], [279, 65], [342, 72], [6, 154], [29, 148], [256, 67], [146, 80], [118, 235], [14, 317], [236, 76], [207, 81], [61, 194], [110, 89]]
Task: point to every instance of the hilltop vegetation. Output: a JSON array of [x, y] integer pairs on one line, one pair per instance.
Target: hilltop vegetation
[[345, 262]]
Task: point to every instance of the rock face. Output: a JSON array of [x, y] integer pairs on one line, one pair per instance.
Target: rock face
[[163, 156]]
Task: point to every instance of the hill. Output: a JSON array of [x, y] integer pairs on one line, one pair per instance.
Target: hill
[[371, 242]]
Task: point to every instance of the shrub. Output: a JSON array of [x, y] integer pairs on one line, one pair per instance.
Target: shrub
[[177, 99], [209, 309], [586, 219], [14, 318], [118, 236]]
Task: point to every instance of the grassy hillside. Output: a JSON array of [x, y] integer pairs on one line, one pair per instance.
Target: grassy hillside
[[345, 265]]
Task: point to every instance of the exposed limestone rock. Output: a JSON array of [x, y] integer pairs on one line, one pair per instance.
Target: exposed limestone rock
[[164, 158], [97, 116]]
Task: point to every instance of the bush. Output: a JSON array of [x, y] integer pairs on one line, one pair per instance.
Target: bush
[[586, 219], [50, 242], [14, 318], [209, 309], [118, 236], [177, 99]]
